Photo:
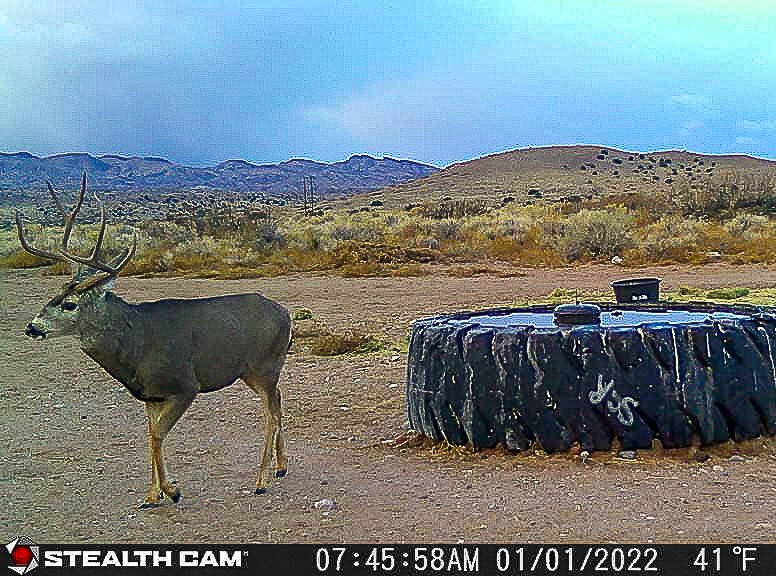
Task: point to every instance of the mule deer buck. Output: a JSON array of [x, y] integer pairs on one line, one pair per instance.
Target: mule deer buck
[[167, 351]]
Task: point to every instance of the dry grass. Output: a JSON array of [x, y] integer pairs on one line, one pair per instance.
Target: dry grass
[[321, 340], [728, 219], [330, 343], [731, 293], [19, 258]]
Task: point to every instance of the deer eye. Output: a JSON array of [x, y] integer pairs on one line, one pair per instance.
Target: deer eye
[[69, 305]]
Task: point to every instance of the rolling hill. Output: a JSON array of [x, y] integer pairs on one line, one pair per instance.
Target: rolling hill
[[563, 171], [358, 173]]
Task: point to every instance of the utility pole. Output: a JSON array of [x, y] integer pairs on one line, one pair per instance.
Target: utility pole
[[308, 195], [312, 194], [304, 194]]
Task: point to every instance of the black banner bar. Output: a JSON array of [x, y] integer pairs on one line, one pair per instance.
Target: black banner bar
[[24, 556]]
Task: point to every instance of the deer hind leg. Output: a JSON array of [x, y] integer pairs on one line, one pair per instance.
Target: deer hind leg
[[162, 416], [273, 429], [280, 448]]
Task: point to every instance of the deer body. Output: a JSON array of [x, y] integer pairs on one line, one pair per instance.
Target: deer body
[[167, 351], [170, 346]]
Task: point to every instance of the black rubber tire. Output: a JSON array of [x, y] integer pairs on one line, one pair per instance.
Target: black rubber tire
[[586, 386]]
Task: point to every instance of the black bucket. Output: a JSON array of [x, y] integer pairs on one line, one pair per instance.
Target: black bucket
[[637, 290]]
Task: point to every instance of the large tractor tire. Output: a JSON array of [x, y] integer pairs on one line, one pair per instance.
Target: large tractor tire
[[484, 385]]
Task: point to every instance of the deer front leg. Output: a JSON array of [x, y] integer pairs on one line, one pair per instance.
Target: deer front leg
[[154, 494], [162, 416]]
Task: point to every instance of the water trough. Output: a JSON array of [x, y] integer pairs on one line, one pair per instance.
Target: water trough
[[520, 377]]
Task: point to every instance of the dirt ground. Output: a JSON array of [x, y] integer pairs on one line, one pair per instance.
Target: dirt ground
[[74, 464]]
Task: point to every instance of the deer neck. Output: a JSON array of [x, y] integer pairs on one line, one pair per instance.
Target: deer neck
[[108, 328]]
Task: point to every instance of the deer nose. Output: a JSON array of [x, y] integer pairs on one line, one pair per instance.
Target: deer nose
[[33, 332]]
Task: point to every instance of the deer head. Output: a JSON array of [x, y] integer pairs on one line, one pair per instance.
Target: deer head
[[91, 279]]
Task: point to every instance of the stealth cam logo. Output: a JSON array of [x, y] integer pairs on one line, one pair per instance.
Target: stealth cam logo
[[24, 555]]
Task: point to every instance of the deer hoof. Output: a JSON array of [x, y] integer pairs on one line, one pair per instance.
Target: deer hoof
[[261, 490], [280, 473], [149, 505], [176, 495]]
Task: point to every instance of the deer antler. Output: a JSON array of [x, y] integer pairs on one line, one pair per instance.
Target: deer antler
[[93, 260], [36, 251], [69, 219], [63, 255]]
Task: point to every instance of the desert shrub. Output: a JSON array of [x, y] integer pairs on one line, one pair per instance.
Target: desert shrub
[[701, 198], [430, 243], [408, 271], [597, 233], [519, 230], [648, 206], [462, 208], [432, 234], [329, 343], [563, 294], [726, 193], [672, 238], [312, 239], [353, 252], [690, 291], [747, 226], [303, 314], [327, 231], [361, 269], [727, 293], [205, 256], [356, 230], [160, 232], [531, 249], [754, 191], [268, 235], [553, 227], [20, 258], [447, 229], [763, 200]]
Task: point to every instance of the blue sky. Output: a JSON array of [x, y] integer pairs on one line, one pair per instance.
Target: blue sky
[[200, 82]]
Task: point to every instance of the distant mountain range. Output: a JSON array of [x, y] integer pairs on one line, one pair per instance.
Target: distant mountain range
[[527, 174], [359, 173]]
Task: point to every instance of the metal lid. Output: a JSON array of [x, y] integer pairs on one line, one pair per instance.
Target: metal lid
[[577, 314]]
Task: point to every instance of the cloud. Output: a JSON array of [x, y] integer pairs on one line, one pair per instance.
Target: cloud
[[689, 127], [757, 127], [388, 108], [696, 103], [208, 80], [745, 141], [419, 116]]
